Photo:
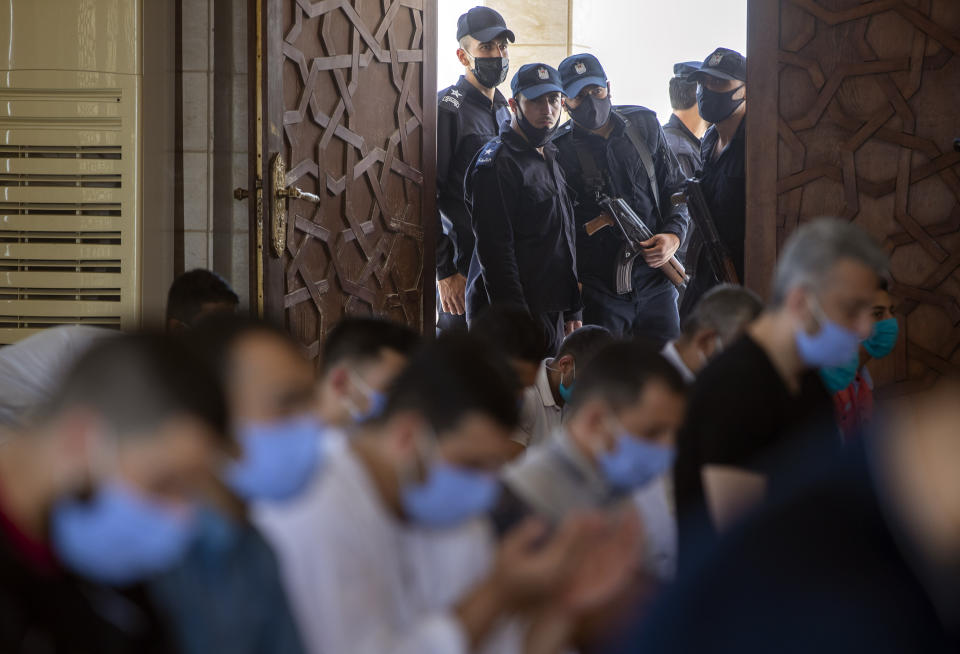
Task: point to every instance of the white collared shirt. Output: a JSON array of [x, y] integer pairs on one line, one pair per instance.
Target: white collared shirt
[[362, 582], [671, 354], [540, 416]]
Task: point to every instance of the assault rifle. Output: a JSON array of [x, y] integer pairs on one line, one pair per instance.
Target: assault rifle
[[717, 255], [635, 231]]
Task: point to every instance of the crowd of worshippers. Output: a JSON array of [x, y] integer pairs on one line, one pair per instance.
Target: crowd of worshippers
[[582, 461], [210, 489]]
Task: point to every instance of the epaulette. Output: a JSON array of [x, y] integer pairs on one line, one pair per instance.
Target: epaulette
[[451, 99], [563, 130], [489, 152]]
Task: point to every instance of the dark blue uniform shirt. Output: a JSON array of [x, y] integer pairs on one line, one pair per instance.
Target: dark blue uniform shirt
[[523, 221], [627, 178], [466, 120], [725, 191], [684, 144]]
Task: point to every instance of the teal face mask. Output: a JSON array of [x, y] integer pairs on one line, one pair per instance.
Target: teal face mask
[[883, 339], [838, 378]]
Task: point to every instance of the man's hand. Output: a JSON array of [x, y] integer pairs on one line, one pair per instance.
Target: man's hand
[[453, 292], [571, 326], [658, 250]]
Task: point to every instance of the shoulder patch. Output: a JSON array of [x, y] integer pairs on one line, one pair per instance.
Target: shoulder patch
[[489, 152], [450, 99]]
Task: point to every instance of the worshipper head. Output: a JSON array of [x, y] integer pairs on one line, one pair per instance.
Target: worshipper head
[[824, 290], [444, 432], [196, 294], [360, 358], [577, 349], [269, 387], [110, 470], [512, 332], [484, 42], [719, 318], [625, 413], [722, 85]]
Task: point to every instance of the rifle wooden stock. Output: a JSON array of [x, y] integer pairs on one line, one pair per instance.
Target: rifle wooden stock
[[719, 259]]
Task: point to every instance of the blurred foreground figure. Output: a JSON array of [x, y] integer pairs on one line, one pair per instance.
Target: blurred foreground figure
[[360, 358], [367, 555], [749, 403], [97, 493], [864, 557], [226, 594]]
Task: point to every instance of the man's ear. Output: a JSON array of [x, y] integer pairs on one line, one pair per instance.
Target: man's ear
[[339, 379], [403, 432], [797, 305], [513, 104], [463, 58], [706, 341], [609, 90], [565, 363]]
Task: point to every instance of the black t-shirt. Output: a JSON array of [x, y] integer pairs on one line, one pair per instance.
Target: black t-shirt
[[824, 568], [742, 414]]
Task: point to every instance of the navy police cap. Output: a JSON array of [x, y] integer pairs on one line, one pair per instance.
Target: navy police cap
[[484, 24], [579, 71], [685, 69], [722, 64], [533, 80]]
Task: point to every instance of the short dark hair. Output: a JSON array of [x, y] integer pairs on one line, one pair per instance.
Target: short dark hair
[[361, 339], [511, 331], [191, 290], [455, 375], [215, 336], [725, 309], [584, 343], [683, 93], [620, 371], [135, 383]]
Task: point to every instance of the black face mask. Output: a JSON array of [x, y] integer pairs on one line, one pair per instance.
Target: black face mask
[[591, 113], [715, 106], [490, 71], [536, 136]]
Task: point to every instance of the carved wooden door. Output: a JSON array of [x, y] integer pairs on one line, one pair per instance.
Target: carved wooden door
[[853, 112], [344, 135]]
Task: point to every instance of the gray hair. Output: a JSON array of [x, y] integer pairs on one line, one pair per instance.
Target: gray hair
[[726, 309], [816, 247]]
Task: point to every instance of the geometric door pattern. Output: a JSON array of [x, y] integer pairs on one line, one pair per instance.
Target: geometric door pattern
[[356, 133], [868, 111]]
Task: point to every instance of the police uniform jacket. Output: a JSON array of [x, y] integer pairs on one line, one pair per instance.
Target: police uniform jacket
[[684, 144], [624, 176], [724, 184], [523, 221], [466, 120]]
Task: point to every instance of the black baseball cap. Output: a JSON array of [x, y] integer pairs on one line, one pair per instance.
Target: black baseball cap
[[579, 71], [722, 64], [533, 80], [685, 69], [484, 24]]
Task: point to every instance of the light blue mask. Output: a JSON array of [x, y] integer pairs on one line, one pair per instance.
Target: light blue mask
[[883, 339], [450, 495], [634, 462], [831, 346], [838, 378], [279, 459], [119, 536], [566, 392], [376, 401]]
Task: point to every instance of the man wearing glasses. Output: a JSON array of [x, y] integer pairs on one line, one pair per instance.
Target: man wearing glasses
[[620, 152]]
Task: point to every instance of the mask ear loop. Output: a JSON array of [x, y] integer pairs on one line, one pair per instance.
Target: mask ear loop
[[418, 472]]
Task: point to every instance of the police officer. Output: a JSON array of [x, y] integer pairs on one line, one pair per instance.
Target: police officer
[[521, 214], [469, 114], [621, 152], [722, 100], [686, 127]]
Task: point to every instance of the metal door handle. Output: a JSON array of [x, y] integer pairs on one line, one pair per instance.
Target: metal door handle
[[296, 193]]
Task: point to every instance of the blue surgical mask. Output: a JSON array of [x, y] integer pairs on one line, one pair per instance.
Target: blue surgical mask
[[119, 536], [839, 378], [279, 458], [883, 339], [565, 391], [450, 495], [634, 462], [831, 346]]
